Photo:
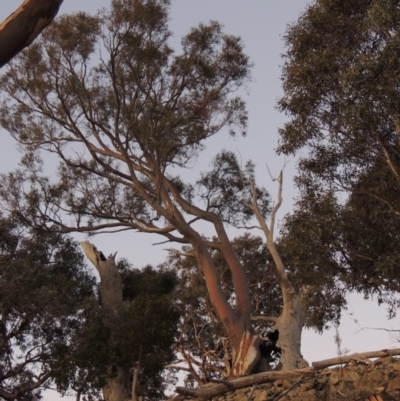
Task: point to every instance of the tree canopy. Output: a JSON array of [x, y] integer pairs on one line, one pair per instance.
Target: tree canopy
[[342, 96], [125, 115], [45, 294]]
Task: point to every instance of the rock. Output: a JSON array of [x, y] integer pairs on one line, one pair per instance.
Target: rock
[[377, 382], [394, 385]]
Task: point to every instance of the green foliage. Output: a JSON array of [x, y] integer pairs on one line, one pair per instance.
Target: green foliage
[[227, 187], [311, 250], [138, 104], [44, 292], [142, 332], [341, 91], [342, 95], [139, 282]]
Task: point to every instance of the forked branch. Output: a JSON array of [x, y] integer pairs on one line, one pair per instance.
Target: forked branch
[[268, 230]]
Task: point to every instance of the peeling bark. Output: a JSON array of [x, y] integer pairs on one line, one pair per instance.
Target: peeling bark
[[111, 299], [23, 26], [246, 356]]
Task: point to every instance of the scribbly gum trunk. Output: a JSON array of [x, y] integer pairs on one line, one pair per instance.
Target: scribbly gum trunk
[[111, 299], [115, 389], [292, 319], [290, 325], [246, 354]]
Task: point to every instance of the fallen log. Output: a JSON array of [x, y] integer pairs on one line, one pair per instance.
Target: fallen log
[[208, 391], [326, 363]]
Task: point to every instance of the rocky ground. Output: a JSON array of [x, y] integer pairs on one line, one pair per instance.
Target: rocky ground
[[358, 381]]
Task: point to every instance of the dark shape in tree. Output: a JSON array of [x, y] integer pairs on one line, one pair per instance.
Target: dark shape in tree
[[268, 347], [202, 345], [23, 26]]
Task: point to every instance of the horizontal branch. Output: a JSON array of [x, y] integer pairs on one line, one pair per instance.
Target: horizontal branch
[[180, 253], [355, 357], [177, 367], [209, 391], [270, 319]]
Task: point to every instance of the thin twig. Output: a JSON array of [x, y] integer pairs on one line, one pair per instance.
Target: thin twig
[[179, 253], [250, 397], [379, 328]]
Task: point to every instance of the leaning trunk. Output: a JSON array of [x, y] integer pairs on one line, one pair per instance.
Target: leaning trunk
[[22, 27], [111, 299], [237, 323], [290, 325]]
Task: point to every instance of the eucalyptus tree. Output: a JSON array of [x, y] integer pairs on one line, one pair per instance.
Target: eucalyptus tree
[[125, 115], [54, 333], [342, 94], [129, 340], [202, 347], [46, 297]]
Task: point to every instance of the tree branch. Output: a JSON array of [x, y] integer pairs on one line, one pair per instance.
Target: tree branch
[[23, 26], [208, 392], [286, 286], [269, 319], [357, 357]]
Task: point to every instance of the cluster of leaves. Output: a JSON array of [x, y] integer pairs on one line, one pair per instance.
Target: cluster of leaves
[[44, 292], [342, 94], [141, 101], [147, 327], [52, 328], [227, 187], [138, 336]]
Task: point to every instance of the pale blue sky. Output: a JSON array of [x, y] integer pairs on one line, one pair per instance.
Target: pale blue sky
[[261, 24]]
